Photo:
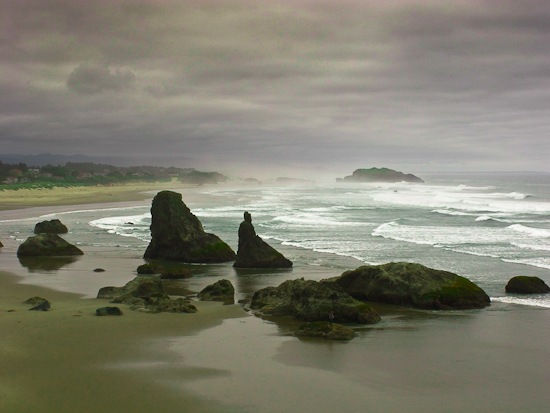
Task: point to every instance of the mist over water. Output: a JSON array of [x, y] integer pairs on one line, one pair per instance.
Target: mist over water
[[486, 228]]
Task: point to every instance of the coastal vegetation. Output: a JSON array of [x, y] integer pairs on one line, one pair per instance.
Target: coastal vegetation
[[22, 176]]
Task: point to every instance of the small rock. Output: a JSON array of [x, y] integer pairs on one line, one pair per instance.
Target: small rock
[[326, 330], [108, 311], [99, 270], [527, 285], [219, 291]]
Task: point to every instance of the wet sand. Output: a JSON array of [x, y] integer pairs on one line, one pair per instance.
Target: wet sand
[[65, 360], [224, 359]]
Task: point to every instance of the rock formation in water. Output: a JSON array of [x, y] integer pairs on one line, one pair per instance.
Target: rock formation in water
[[312, 301], [527, 285], [47, 245], [380, 175], [53, 226], [326, 330], [221, 290], [254, 252], [411, 285], [178, 235], [146, 294]]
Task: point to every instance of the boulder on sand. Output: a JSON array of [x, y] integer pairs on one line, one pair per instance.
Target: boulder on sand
[[411, 285], [146, 294], [47, 245], [254, 252], [178, 235], [312, 301], [221, 290], [53, 226], [527, 285]]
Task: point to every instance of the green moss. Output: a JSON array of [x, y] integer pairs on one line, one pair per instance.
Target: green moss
[[461, 293]]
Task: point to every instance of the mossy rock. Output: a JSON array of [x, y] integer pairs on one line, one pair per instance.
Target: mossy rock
[[326, 330], [53, 226], [312, 301], [221, 290], [146, 294], [413, 285], [149, 269], [47, 245], [178, 235], [527, 285], [175, 273]]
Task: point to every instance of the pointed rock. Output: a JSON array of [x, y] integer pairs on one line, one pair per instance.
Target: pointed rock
[[254, 252], [53, 226], [178, 235]]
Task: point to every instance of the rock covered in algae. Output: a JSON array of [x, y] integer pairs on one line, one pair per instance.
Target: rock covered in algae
[[146, 294], [47, 244], [326, 330], [53, 226], [413, 285], [178, 235], [312, 301]]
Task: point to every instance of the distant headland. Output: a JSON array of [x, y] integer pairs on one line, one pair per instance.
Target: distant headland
[[379, 175]]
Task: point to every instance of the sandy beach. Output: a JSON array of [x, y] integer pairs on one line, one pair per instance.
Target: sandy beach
[[224, 359], [78, 195]]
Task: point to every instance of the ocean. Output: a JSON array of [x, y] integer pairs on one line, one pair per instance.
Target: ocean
[[486, 227]]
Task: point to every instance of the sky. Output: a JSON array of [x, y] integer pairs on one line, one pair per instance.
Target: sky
[[278, 86]]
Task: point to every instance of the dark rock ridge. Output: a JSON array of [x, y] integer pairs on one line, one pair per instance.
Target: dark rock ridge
[[326, 330], [53, 226], [254, 252], [527, 285], [178, 235], [47, 245], [411, 285], [146, 294], [221, 290], [312, 301], [380, 175], [1, 245]]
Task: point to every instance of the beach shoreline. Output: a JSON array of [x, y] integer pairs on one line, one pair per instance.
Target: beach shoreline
[[80, 195], [224, 359]]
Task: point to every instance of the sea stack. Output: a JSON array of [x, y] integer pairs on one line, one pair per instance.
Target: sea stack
[[254, 252], [178, 235]]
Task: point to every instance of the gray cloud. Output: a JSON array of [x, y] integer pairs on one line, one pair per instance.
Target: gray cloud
[[97, 78], [430, 84]]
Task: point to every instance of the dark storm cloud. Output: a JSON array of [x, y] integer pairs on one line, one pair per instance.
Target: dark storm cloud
[[430, 84]]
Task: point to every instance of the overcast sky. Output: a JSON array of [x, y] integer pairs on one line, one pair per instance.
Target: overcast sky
[[418, 86]]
